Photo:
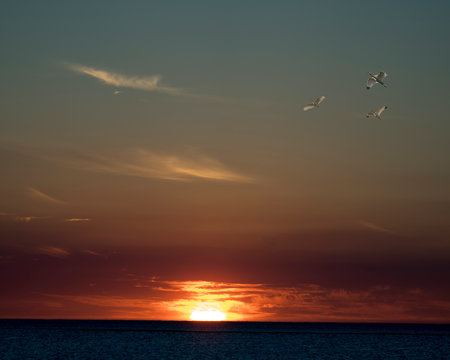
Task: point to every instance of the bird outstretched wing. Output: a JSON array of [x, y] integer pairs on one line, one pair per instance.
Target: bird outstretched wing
[[371, 82], [380, 110], [309, 107], [319, 100]]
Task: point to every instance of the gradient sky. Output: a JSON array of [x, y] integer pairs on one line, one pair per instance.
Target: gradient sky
[[155, 159]]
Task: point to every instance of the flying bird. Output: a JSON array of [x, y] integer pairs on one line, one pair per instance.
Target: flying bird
[[378, 78], [377, 113], [314, 104]]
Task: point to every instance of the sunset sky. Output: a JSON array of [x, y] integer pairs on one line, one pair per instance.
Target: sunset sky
[[156, 160]]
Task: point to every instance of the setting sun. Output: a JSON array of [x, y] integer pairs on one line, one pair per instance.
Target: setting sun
[[208, 315]]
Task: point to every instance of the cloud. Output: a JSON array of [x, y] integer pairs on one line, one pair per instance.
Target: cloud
[[148, 164], [52, 251], [78, 220], [375, 227], [27, 218], [20, 218], [93, 253], [39, 195], [147, 83]]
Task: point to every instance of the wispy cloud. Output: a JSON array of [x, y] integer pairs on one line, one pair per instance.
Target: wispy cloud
[[148, 164], [93, 253], [20, 218], [146, 83], [27, 218], [52, 251], [78, 220], [39, 195], [375, 227]]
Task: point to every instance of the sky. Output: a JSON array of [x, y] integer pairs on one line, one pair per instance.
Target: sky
[[156, 160]]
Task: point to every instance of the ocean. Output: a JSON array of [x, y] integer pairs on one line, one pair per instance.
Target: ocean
[[111, 339]]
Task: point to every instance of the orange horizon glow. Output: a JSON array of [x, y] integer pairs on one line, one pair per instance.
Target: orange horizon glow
[[208, 301], [222, 301]]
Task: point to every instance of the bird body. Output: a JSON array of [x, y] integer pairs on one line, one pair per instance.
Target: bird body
[[374, 79], [377, 113], [314, 104]]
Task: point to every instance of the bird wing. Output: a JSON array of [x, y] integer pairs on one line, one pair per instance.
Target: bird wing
[[370, 83], [381, 75], [369, 114], [309, 107], [319, 100], [381, 109]]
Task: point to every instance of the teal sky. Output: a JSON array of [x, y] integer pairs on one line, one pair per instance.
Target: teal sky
[[263, 62], [220, 152]]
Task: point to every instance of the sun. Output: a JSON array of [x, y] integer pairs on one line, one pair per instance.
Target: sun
[[208, 315]]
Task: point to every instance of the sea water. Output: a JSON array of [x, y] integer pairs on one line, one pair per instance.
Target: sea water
[[110, 339]]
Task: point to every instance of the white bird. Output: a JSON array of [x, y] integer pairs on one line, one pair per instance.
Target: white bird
[[314, 104], [377, 113], [378, 78]]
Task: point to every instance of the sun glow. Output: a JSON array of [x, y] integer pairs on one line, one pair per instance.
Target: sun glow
[[208, 315], [209, 301]]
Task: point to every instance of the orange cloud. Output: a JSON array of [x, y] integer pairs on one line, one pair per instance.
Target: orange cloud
[[21, 218], [53, 251], [93, 253]]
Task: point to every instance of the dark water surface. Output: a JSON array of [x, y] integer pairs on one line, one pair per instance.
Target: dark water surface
[[110, 339]]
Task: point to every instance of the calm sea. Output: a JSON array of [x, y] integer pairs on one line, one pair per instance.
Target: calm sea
[[98, 339]]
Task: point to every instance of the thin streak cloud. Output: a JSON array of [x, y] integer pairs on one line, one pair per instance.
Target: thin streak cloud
[[53, 251], [78, 220], [39, 195], [27, 218], [147, 164], [146, 83], [375, 227], [93, 253], [21, 218]]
